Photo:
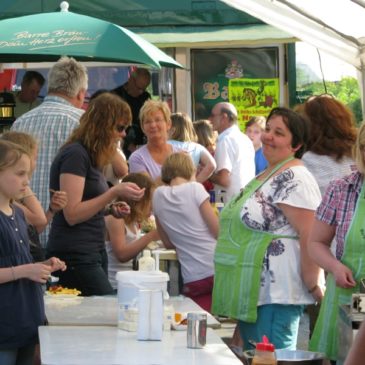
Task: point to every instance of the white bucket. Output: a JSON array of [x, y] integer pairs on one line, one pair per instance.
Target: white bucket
[[129, 283]]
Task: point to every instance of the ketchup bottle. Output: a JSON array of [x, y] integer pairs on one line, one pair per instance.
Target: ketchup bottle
[[265, 353]]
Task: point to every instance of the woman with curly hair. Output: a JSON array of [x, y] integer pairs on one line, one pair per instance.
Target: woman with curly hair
[[332, 136], [77, 232]]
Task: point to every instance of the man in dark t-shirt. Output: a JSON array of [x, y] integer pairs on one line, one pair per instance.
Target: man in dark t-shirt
[[135, 94]]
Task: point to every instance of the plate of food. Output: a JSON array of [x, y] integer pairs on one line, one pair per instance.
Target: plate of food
[[58, 291], [180, 322]]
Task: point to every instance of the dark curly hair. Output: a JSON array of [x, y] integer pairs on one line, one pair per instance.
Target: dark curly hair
[[332, 126]]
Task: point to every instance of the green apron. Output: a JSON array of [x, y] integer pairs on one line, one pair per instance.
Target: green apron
[[325, 335], [239, 257]]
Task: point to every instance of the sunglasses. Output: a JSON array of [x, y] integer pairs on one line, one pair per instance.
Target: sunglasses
[[120, 128]]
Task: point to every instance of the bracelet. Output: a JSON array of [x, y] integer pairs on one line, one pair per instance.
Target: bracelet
[[13, 272], [313, 289]]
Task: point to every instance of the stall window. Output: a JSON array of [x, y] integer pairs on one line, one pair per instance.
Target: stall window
[[246, 77]]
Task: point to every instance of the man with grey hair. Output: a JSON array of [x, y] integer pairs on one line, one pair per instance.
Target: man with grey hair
[[234, 154], [53, 121]]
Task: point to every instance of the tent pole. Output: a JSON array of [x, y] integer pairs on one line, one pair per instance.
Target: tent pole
[[362, 90]]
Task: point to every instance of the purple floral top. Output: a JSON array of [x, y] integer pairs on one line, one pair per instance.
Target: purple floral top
[[338, 206], [142, 161]]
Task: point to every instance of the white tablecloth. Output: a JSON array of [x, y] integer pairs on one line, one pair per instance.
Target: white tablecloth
[[87, 345]]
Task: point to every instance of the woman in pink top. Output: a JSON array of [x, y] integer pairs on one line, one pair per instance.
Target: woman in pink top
[[155, 117]]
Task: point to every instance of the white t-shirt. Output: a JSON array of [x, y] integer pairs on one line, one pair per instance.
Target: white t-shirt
[[114, 265], [281, 281], [177, 209], [326, 168], [235, 153]]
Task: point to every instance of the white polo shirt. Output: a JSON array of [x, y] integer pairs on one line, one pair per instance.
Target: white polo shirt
[[235, 153]]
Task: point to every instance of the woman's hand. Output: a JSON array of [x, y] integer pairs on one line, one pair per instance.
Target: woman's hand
[[343, 276], [317, 293], [58, 200], [129, 191]]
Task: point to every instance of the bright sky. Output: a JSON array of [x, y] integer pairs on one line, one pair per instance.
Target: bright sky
[[333, 68]]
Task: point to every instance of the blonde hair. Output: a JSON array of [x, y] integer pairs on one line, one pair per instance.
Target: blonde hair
[[182, 128], [177, 164], [27, 141], [204, 132], [359, 149], [257, 120], [140, 209], [151, 106], [10, 154], [96, 131]]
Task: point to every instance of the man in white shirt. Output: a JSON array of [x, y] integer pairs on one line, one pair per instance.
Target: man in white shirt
[[234, 154]]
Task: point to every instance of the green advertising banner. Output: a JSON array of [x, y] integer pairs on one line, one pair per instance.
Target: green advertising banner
[[253, 97]]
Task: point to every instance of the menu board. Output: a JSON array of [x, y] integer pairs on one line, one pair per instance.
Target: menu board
[[235, 75]]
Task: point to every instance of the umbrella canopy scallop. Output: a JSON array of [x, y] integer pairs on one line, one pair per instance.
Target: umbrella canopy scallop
[[47, 36]]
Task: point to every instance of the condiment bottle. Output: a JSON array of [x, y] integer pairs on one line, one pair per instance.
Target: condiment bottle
[[146, 262], [265, 353]]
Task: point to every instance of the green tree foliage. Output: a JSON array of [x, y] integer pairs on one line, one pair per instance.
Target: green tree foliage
[[347, 90]]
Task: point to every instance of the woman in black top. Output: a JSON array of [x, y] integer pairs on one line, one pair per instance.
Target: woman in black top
[[77, 233]]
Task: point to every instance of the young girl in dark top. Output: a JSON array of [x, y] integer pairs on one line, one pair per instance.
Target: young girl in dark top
[[21, 304], [34, 214]]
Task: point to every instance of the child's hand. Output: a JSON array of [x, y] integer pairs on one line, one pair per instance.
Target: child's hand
[[119, 209], [58, 200], [38, 272], [55, 264]]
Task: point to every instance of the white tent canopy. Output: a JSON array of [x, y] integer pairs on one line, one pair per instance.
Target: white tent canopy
[[334, 26]]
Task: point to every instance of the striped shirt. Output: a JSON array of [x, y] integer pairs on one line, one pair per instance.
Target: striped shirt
[[338, 206], [51, 124]]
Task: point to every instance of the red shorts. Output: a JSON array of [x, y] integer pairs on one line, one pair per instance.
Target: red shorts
[[200, 292]]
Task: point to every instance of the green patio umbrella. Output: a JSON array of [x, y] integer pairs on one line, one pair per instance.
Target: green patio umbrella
[[47, 36]]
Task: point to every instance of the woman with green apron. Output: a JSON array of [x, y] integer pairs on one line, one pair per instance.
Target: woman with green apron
[[262, 272], [340, 215]]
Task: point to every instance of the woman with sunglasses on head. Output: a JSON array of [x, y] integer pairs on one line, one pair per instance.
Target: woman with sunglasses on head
[[77, 233]]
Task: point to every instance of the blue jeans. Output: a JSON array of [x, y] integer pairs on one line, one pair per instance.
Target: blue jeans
[[278, 322], [20, 356]]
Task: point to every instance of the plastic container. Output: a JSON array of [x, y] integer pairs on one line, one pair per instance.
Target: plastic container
[[264, 353], [129, 284], [146, 262]]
